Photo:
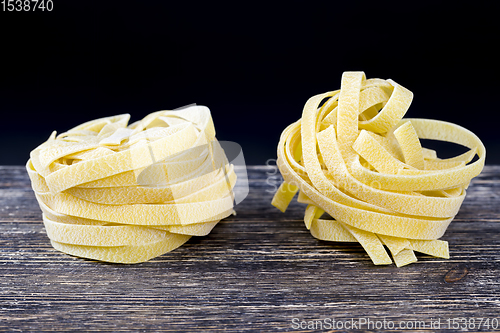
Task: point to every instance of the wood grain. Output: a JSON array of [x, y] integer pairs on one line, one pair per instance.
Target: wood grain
[[255, 272]]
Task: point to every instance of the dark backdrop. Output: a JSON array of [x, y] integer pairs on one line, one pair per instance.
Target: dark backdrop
[[253, 63]]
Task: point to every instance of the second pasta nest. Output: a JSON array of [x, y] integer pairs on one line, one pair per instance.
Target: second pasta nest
[[357, 159]]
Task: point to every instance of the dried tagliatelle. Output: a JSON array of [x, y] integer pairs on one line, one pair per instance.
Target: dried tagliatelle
[[356, 158], [126, 194]]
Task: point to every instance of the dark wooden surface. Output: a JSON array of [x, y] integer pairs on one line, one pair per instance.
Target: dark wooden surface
[[255, 272]]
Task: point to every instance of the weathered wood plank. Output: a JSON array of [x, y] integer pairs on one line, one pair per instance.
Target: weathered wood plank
[[255, 272]]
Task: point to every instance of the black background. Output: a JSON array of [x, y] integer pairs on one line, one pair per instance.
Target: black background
[[254, 64]]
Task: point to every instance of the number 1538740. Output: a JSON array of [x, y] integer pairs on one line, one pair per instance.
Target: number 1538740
[[27, 5]]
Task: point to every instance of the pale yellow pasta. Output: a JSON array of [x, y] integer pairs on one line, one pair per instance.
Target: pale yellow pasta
[[127, 194], [356, 158]]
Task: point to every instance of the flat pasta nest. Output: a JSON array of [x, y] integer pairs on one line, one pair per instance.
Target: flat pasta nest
[[128, 193], [357, 159]]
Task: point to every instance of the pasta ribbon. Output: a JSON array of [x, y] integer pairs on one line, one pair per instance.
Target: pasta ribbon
[[128, 193], [353, 156]]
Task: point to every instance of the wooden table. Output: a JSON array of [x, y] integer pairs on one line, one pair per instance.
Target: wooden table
[[256, 271]]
